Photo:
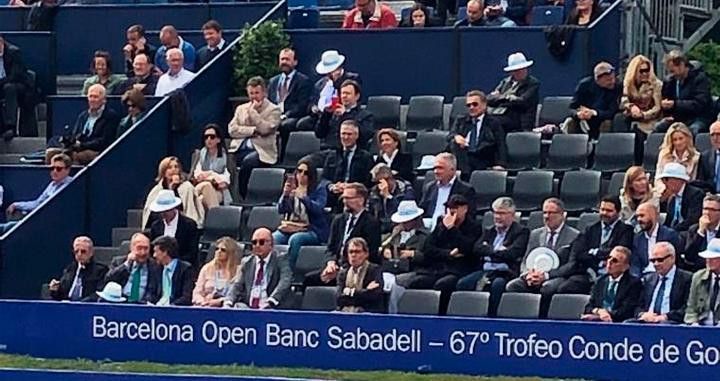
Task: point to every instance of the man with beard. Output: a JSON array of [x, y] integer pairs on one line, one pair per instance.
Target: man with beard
[[651, 232]]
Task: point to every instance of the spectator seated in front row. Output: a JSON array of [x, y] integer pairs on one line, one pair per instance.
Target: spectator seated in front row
[[136, 273], [175, 287], [696, 239], [360, 285], [702, 304], [617, 294], [216, 276], [82, 278]]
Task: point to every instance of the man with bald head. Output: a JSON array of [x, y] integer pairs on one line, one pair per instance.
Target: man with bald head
[[135, 273], [169, 38], [176, 76], [81, 278], [94, 130], [143, 78], [651, 232], [264, 280]]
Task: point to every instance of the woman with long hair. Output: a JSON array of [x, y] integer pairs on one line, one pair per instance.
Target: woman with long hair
[[635, 191], [101, 68], [677, 147], [640, 104], [170, 176], [215, 277], [210, 173], [583, 13]]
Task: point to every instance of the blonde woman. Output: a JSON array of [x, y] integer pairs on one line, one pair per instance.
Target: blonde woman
[[170, 176], [215, 277], [677, 147], [642, 93], [635, 191]]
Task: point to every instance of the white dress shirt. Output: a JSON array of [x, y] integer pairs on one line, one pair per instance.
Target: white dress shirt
[[171, 227], [665, 306], [651, 240], [169, 82]]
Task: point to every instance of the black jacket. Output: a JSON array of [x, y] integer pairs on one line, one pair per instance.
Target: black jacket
[[627, 296], [92, 280], [370, 300], [103, 132], [706, 171], [402, 164], [186, 235], [690, 208], [150, 83], [606, 102], [299, 92], [692, 244], [430, 193], [693, 101], [320, 84], [328, 127], [205, 55], [366, 227], [15, 69], [442, 241], [621, 235], [120, 274], [360, 165], [149, 50], [678, 294], [490, 150], [515, 243], [523, 106]]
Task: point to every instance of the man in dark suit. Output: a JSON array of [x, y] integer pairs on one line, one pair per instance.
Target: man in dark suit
[[135, 273], [94, 130], [174, 224], [681, 201], [616, 295], [212, 33], [82, 278], [142, 79], [348, 108], [708, 172], [264, 280], [355, 221], [593, 245], [137, 44], [291, 90], [347, 164], [15, 88], [499, 251], [665, 292], [514, 101], [595, 102], [697, 237], [436, 193], [360, 285], [175, 285], [477, 140], [650, 233]]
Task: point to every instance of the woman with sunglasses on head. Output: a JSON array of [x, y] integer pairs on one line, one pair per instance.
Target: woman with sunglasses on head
[[134, 100], [210, 173], [302, 206], [215, 277]]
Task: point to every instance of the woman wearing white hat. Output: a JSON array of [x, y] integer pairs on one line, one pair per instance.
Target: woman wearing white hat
[[514, 101]]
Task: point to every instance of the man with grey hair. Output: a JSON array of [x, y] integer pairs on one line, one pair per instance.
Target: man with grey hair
[[697, 237], [446, 184], [665, 291], [616, 295], [81, 278], [170, 39], [498, 251], [176, 76], [135, 272]]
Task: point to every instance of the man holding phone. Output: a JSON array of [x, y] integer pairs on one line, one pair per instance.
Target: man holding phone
[[136, 44], [340, 109]]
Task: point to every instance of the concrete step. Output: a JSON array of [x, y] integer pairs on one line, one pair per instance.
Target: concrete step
[[11, 158], [122, 234], [134, 218], [21, 145], [70, 84]]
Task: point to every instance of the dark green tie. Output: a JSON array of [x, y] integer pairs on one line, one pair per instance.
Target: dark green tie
[[135, 286]]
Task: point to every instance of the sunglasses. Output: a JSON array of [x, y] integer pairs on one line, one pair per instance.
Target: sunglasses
[[130, 105], [302, 171], [222, 249], [613, 260], [57, 168], [472, 104], [660, 259], [210, 137], [258, 242], [644, 71]]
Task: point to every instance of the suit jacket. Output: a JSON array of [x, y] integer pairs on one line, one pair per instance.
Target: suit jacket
[[103, 132], [621, 235], [15, 69], [442, 241], [690, 208], [402, 164], [183, 283], [679, 292], [605, 101], [516, 240], [299, 93], [430, 194], [627, 296], [278, 275], [370, 300], [523, 106], [260, 128], [698, 303], [328, 127], [205, 55], [706, 171], [490, 151], [694, 100], [320, 84], [150, 83], [539, 237], [92, 280], [639, 259], [186, 235], [692, 244], [120, 274], [360, 165], [366, 226], [416, 242]]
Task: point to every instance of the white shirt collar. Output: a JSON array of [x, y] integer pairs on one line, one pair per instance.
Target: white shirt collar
[[389, 159], [449, 184], [653, 232], [220, 45]]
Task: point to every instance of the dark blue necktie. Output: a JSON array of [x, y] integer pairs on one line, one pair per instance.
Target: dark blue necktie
[[472, 144], [657, 307]]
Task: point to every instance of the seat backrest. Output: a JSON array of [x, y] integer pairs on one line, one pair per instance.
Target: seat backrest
[[567, 306], [428, 143], [425, 112], [310, 258], [385, 110], [303, 18], [702, 142], [419, 302], [469, 303], [222, 221], [488, 186], [300, 144], [535, 220], [548, 15], [105, 254], [615, 151], [532, 188], [523, 150], [319, 299], [616, 183], [580, 189], [519, 306], [586, 219], [458, 109], [651, 150], [568, 151], [263, 216], [265, 186], [554, 110]]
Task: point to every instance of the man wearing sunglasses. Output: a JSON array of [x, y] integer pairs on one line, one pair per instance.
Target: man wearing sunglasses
[[616, 295], [699, 235], [477, 140], [665, 292], [264, 280], [60, 177]]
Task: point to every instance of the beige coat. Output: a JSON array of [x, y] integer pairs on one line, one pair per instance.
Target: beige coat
[[192, 207], [260, 125]]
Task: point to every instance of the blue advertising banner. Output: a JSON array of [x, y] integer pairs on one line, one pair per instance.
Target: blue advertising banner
[[359, 342], [72, 375]]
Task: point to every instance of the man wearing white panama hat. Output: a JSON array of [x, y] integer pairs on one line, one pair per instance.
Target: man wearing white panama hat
[[702, 305], [681, 201], [514, 101], [174, 224]]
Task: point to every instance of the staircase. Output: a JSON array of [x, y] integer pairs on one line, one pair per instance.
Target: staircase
[[120, 238]]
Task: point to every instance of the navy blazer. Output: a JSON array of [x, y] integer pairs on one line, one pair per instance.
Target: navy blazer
[[103, 132], [366, 227], [706, 171], [678, 294], [639, 258], [692, 245], [430, 191], [627, 296], [186, 235], [516, 240], [402, 164], [491, 149], [15, 69], [120, 274], [621, 235], [205, 55], [690, 208], [183, 283], [299, 93], [360, 165]]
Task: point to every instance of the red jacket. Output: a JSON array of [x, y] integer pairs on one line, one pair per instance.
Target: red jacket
[[382, 18]]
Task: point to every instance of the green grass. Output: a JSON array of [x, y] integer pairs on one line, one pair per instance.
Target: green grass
[[13, 361]]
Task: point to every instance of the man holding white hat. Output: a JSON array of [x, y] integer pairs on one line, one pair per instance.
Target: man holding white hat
[[702, 305], [681, 201], [596, 101], [514, 101], [174, 224]]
